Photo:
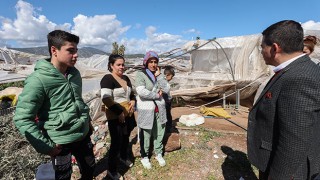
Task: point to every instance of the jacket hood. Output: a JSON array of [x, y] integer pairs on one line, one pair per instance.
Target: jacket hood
[[44, 66]]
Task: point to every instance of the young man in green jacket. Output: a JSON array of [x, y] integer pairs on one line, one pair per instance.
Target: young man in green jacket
[[53, 93]]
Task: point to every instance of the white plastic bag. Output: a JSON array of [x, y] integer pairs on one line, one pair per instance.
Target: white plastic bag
[[191, 120]]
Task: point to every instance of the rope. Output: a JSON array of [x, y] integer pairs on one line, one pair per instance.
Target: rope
[[235, 124]]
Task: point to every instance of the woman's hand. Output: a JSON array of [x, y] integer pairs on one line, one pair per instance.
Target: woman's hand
[[122, 118], [131, 106], [158, 72], [160, 92]]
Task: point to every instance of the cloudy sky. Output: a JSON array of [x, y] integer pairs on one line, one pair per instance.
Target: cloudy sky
[[143, 25]]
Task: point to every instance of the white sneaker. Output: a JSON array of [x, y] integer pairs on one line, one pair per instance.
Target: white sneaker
[[126, 162], [146, 163], [160, 159]]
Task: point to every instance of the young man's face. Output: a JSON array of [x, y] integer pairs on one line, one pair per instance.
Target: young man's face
[[67, 55], [169, 77]]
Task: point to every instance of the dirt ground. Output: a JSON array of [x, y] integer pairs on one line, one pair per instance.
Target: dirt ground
[[218, 124], [214, 150]]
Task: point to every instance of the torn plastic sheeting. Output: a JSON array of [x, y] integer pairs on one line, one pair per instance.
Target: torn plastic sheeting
[[191, 120]]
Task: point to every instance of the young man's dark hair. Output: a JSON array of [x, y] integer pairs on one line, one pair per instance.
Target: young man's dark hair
[[57, 38]]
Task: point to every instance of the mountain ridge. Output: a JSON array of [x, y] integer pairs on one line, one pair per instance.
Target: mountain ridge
[[83, 52]]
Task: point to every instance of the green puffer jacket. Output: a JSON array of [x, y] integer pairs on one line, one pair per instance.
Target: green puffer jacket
[[57, 101]]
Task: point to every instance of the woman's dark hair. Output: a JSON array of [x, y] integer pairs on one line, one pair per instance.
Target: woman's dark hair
[[169, 70], [310, 42], [112, 60]]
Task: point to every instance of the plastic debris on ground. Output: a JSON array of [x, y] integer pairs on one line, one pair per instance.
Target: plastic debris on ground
[[217, 112], [191, 120]]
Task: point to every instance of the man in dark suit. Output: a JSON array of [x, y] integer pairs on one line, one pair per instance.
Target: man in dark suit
[[284, 123]]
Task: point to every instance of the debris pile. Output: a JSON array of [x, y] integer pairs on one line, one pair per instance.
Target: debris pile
[[19, 160]]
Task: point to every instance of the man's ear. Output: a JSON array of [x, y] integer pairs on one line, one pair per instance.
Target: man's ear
[[53, 51], [276, 48]]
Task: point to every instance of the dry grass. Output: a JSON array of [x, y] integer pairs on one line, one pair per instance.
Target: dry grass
[[204, 154], [18, 159]]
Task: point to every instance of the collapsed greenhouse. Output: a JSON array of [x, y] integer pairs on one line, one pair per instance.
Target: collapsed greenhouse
[[211, 70]]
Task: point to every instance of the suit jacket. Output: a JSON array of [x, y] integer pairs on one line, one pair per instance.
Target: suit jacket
[[284, 123]]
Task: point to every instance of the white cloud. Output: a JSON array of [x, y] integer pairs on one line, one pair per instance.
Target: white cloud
[[191, 31], [311, 25], [159, 42], [30, 28], [99, 30], [311, 28]]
